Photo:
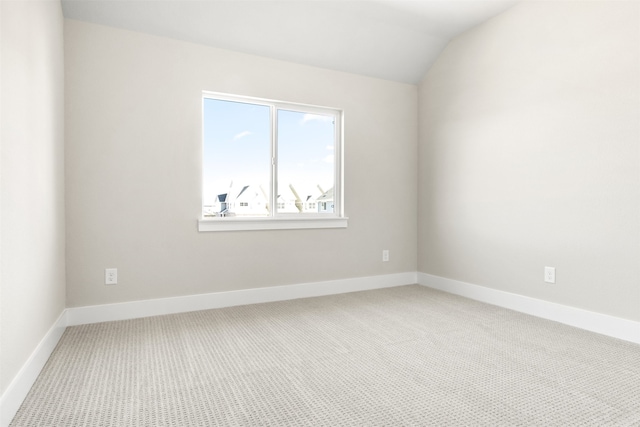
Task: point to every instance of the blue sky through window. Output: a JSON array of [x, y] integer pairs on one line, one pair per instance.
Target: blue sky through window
[[305, 151], [237, 147]]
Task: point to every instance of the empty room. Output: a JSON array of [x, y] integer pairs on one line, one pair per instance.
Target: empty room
[[319, 213]]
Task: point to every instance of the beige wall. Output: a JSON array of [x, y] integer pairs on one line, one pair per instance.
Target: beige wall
[[32, 278], [133, 153], [528, 156]]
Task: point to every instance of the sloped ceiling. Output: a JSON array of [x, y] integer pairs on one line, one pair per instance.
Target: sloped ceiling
[[393, 40]]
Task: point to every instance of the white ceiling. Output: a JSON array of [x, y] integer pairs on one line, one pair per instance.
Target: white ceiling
[[389, 39]]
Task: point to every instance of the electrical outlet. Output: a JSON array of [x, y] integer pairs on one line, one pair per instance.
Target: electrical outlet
[[111, 276], [385, 255], [550, 274]]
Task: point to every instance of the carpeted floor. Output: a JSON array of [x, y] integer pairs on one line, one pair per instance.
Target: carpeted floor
[[406, 356]]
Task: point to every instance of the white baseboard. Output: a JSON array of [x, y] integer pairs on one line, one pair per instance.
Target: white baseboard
[[15, 394], [156, 307], [616, 327], [19, 388]]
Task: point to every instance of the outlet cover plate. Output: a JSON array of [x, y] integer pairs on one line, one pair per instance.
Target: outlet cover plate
[[550, 274], [111, 276]]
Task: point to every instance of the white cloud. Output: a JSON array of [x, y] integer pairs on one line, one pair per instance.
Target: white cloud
[[330, 147], [241, 135], [328, 159], [310, 117]]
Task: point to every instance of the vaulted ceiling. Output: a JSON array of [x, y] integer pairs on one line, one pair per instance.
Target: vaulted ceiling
[[390, 39]]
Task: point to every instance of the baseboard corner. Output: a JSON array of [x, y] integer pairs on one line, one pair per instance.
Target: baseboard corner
[[14, 395]]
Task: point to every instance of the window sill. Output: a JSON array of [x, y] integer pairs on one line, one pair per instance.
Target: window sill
[[239, 224]]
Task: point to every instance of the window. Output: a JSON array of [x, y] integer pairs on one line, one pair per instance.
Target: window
[[269, 164]]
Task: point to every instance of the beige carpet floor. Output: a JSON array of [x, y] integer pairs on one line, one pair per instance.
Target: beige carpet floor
[[406, 356]]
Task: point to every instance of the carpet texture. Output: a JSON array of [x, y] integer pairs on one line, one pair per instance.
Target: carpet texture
[[405, 356]]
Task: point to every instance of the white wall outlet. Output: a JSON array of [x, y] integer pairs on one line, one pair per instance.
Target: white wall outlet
[[111, 276], [385, 255], [550, 274]]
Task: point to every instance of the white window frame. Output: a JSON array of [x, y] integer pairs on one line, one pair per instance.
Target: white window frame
[[275, 220]]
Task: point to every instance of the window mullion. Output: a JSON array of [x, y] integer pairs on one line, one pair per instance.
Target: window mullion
[[274, 161], [338, 165]]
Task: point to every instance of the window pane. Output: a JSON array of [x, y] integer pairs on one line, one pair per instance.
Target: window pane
[[236, 159], [306, 165]]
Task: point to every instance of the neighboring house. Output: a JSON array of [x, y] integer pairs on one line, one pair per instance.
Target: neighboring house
[[325, 202], [221, 206], [224, 205], [304, 201], [218, 208], [251, 200], [310, 204], [286, 204]]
